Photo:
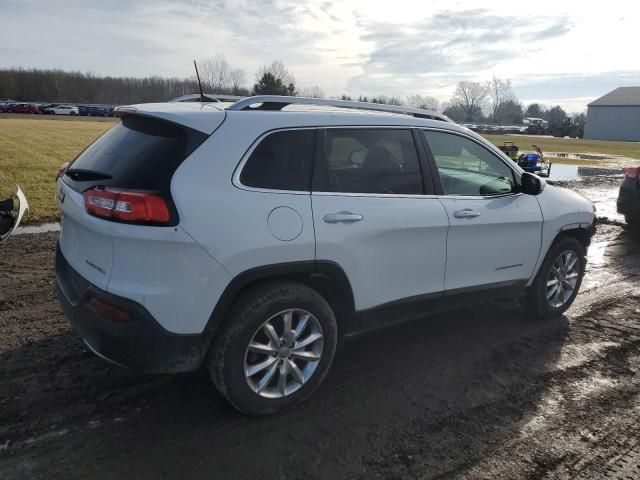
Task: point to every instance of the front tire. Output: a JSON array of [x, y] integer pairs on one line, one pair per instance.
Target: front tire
[[558, 281], [275, 349]]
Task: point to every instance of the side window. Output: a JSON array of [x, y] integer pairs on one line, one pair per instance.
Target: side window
[[466, 168], [282, 161], [371, 161]]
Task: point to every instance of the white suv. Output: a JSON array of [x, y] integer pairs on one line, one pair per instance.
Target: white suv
[[253, 236]]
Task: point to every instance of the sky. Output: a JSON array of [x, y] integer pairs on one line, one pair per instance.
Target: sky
[[555, 52]]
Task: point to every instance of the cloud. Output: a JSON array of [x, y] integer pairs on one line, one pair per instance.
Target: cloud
[[454, 41], [558, 87], [353, 46]]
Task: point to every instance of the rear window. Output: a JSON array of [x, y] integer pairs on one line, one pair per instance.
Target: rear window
[[138, 153], [282, 161]]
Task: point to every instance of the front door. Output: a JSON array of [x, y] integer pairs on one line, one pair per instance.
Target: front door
[[495, 234]]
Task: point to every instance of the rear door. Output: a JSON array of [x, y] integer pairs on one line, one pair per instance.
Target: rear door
[[374, 217], [495, 234]]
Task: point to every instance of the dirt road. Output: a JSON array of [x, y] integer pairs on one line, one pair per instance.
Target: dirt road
[[482, 392]]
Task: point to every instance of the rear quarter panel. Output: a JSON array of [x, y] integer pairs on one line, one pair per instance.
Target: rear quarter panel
[[231, 222]]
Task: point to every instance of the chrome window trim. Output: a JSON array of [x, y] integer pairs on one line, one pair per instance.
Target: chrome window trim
[[235, 180], [378, 195]]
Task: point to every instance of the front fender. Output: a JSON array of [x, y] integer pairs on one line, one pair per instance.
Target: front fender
[[562, 210]]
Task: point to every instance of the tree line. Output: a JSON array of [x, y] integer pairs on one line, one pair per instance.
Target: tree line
[[495, 102], [217, 76], [492, 101]]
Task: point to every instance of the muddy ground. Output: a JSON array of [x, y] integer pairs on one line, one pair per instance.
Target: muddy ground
[[483, 392]]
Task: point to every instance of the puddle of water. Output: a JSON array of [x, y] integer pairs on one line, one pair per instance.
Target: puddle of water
[[595, 254], [44, 228], [564, 172], [604, 198], [580, 156]]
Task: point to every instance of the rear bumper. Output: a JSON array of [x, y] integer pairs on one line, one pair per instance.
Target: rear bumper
[[140, 343]]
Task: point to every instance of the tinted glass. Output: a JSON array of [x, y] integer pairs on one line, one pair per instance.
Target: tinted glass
[[466, 168], [372, 161], [282, 161], [138, 153]]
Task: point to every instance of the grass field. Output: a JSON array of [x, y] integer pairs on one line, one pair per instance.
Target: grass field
[[32, 150], [570, 145], [33, 147]]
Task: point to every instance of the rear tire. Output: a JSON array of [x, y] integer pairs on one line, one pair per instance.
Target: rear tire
[[557, 283], [275, 372], [633, 222]]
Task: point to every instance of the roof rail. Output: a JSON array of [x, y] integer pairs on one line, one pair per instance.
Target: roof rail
[[276, 102], [208, 97]]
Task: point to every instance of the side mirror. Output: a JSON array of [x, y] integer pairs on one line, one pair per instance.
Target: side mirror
[[530, 184]]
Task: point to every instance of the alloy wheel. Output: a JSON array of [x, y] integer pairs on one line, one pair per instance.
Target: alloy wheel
[[563, 278], [283, 353]]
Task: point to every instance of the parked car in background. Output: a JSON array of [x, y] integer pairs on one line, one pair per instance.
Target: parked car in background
[[251, 236], [23, 108], [46, 108], [95, 110], [629, 197], [4, 107], [65, 110]]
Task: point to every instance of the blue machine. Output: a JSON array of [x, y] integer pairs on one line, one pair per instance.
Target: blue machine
[[529, 162], [535, 163]]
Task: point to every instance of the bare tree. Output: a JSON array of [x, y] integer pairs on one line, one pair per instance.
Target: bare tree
[[312, 92], [424, 102], [237, 77], [279, 71], [58, 82], [499, 91], [470, 96], [216, 72]]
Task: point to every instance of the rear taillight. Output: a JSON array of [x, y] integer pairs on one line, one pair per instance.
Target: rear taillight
[[632, 172], [126, 206]]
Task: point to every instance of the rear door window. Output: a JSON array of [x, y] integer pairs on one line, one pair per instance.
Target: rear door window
[[373, 160], [281, 161]]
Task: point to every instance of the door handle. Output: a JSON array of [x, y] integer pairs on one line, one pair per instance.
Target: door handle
[[342, 217], [466, 213]]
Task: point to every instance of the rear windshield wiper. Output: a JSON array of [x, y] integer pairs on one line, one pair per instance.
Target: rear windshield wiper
[[82, 175]]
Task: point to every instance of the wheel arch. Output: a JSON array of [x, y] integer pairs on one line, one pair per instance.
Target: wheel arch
[[581, 232], [325, 277]]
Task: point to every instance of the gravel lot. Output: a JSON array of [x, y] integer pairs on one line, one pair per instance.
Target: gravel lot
[[481, 392]]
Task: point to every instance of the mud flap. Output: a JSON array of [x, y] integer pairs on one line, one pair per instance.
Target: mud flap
[[9, 217]]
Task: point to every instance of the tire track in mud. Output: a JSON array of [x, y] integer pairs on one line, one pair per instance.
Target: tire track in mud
[[426, 451]]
